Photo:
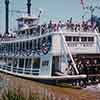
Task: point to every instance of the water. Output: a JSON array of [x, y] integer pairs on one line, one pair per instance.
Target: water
[[50, 91], [93, 88]]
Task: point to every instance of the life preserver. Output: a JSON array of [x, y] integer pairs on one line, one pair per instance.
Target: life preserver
[[46, 47], [45, 50]]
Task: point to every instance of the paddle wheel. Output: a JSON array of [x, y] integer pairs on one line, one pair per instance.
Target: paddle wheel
[[89, 64]]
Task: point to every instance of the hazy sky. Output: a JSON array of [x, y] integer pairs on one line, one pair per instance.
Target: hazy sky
[[52, 9]]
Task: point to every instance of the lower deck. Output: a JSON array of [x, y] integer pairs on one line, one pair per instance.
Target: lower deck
[[88, 64]]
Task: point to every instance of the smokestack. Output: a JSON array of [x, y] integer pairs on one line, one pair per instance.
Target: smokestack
[[6, 16], [29, 7]]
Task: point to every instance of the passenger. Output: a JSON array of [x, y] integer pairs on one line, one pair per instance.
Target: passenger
[[76, 27], [94, 26], [67, 25], [83, 25], [70, 21], [55, 27], [59, 26], [50, 26], [43, 28], [72, 26], [38, 29]]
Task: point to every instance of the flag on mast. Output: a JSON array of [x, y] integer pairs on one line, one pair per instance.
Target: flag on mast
[[82, 3]]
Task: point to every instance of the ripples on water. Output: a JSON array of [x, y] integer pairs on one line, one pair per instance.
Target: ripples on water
[[94, 88]]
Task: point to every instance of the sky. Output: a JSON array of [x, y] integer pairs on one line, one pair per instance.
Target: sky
[[52, 9]]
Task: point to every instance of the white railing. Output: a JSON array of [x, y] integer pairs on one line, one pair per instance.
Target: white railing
[[69, 52], [98, 38]]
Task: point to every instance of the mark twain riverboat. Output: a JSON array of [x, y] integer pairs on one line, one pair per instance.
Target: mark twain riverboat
[[56, 52]]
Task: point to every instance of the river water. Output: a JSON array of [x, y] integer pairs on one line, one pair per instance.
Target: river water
[[53, 92]]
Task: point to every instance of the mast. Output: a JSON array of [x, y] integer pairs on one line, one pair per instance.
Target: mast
[[6, 16], [29, 7]]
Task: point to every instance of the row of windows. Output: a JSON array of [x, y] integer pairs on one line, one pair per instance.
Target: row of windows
[[76, 38], [82, 44], [25, 45], [23, 65], [35, 31], [21, 62]]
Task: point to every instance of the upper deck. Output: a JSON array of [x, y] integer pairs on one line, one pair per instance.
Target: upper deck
[[37, 31]]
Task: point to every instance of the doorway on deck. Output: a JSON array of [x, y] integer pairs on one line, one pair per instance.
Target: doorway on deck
[[55, 65]]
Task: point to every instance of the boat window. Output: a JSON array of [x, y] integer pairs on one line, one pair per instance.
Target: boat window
[[26, 44], [34, 43], [23, 32], [45, 63], [7, 47], [11, 47], [18, 33], [17, 46], [83, 39], [1, 58], [15, 62], [68, 38], [28, 32], [36, 63], [28, 63], [9, 61], [76, 38], [38, 44], [5, 59], [4, 45], [44, 39], [49, 38], [30, 44], [20, 46], [31, 31], [34, 31], [0, 48], [23, 45], [14, 47], [91, 39], [21, 62]]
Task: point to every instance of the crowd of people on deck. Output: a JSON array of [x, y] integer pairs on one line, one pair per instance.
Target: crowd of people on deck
[[84, 26], [69, 25]]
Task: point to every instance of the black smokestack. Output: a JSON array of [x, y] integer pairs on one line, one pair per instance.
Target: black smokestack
[[6, 16], [29, 7]]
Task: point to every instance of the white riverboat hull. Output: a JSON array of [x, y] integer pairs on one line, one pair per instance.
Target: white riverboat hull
[[63, 77]]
